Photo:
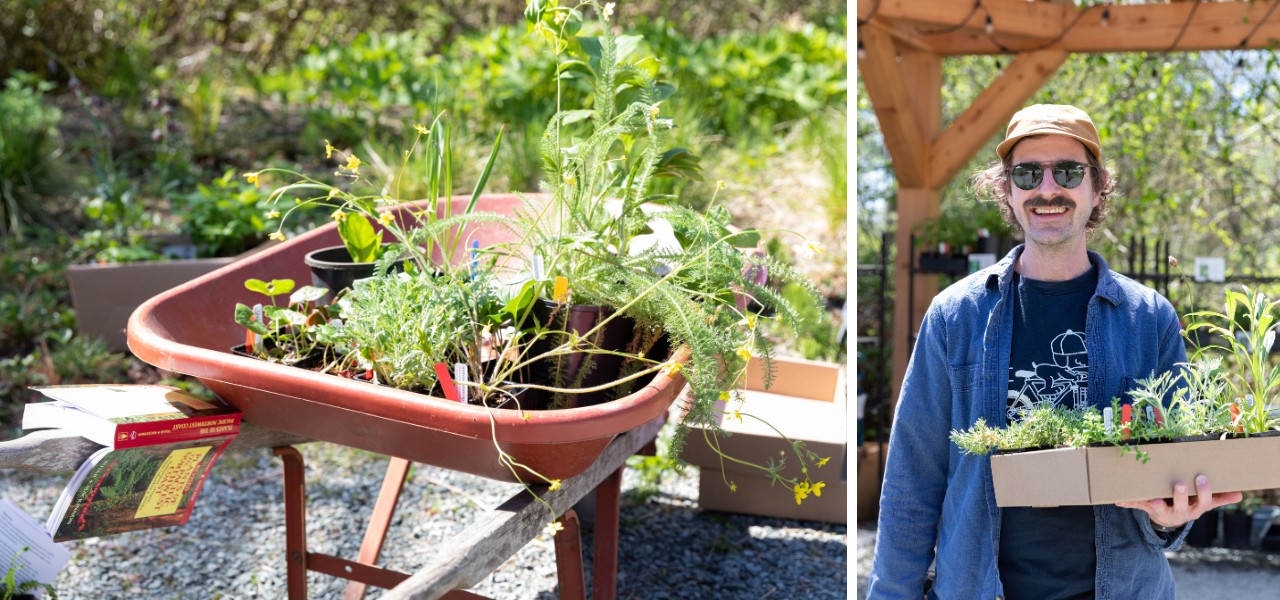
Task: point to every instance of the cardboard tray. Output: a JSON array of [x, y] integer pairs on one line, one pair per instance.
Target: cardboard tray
[[1106, 475]]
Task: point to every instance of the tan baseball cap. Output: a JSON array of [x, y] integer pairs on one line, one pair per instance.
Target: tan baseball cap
[[1051, 119]]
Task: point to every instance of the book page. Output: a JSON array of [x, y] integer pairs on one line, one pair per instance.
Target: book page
[[115, 401], [43, 559]]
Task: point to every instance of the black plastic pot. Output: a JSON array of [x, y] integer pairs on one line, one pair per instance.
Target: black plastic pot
[[1236, 528], [332, 268], [1204, 531], [309, 361], [587, 368]]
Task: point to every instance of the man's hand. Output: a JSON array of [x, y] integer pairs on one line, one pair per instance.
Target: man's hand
[[1177, 511]]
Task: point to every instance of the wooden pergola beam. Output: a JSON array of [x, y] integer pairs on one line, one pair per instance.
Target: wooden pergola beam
[[1129, 28], [990, 111], [888, 90], [1011, 16]]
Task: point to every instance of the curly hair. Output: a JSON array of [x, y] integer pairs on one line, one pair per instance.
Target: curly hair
[[992, 185]]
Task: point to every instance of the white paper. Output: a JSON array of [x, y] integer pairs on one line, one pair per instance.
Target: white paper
[[1210, 269], [460, 380], [43, 560], [110, 402]]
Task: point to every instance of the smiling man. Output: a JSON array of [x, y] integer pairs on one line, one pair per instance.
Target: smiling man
[[1049, 324]]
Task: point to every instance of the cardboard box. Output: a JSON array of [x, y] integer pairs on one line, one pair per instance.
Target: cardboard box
[[869, 478], [806, 403], [756, 496], [1105, 475]]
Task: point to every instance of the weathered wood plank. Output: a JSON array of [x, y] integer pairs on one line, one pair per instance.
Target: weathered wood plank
[[57, 451], [500, 533]]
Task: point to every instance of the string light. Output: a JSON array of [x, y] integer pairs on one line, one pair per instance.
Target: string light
[[862, 51], [1106, 17], [991, 28]]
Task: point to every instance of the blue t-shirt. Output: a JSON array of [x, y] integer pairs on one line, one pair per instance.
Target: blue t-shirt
[[1048, 553]]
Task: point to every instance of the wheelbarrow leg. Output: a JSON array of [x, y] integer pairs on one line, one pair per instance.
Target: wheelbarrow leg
[[569, 569], [604, 571], [376, 533], [295, 522]]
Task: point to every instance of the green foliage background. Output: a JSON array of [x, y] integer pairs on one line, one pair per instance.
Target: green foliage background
[[141, 118]]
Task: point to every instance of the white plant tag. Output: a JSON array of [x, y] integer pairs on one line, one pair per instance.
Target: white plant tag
[[257, 316], [1151, 415], [460, 381], [537, 267], [1107, 423]]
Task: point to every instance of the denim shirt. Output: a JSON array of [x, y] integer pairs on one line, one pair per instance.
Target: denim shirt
[[958, 373]]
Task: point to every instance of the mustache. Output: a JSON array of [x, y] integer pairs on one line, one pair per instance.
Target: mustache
[[1056, 200]]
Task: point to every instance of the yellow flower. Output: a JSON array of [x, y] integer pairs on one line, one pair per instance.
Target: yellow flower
[[561, 17], [422, 130], [353, 164], [744, 352], [736, 415], [252, 178], [276, 235], [553, 528], [673, 369], [817, 489], [823, 462], [653, 110], [802, 491], [386, 218], [338, 216], [273, 214], [811, 250], [333, 192], [555, 485], [749, 320], [733, 487], [724, 396], [719, 185], [568, 179], [328, 149]]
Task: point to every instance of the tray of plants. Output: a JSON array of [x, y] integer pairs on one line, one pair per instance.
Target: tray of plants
[[190, 330], [1215, 416]]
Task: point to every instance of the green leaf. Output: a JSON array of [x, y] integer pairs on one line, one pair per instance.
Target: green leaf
[[244, 316], [307, 293], [484, 175], [279, 314], [270, 289], [747, 238], [358, 235], [521, 300]]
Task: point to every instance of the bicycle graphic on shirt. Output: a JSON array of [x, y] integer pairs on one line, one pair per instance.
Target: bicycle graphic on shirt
[[1065, 381]]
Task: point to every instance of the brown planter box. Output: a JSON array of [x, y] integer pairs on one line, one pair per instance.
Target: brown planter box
[[105, 295], [806, 403], [1103, 475]]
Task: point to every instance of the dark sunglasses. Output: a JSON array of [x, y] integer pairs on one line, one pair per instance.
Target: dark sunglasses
[[1067, 173]]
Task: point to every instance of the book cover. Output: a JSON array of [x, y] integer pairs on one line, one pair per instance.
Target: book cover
[[134, 488], [130, 416]]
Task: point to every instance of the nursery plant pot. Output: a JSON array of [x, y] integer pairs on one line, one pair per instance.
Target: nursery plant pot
[[181, 330], [1236, 529], [333, 269], [582, 369], [1205, 530]]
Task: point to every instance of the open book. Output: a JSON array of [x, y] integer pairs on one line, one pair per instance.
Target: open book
[[27, 549], [135, 488], [129, 416]]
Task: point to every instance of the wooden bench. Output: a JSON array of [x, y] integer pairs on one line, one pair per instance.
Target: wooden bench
[[475, 552]]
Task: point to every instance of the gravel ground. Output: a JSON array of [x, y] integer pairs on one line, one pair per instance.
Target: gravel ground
[[233, 546], [1199, 573]]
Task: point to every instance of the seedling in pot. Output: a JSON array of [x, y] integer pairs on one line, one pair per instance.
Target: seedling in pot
[[282, 333]]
